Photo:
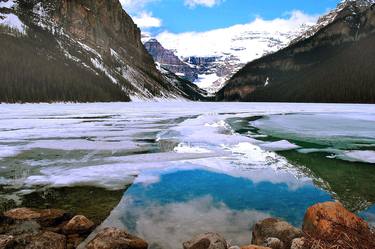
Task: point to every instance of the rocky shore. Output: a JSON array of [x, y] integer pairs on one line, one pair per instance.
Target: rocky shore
[[326, 225]]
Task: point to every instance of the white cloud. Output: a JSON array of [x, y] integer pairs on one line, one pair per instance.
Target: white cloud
[[146, 20], [169, 225], [206, 3]]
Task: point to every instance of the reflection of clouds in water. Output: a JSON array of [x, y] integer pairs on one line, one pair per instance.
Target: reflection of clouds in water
[[169, 225]]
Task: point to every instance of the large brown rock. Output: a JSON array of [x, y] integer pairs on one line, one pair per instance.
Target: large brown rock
[[322, 220], [46, 217], [48, 240], [77, 225], [113, 238], [206, 241], [274, 228]]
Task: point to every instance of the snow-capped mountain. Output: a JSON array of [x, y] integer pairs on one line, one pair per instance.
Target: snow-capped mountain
[[216, 55], [331, 62], [76, 51], [169, 61]]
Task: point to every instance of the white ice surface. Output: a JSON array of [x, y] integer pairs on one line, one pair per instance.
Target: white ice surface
[[95, 143]]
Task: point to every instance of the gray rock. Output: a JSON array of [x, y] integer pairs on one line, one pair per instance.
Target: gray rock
[[47, 240], [274, 243], [298, 243], [234, 247], [275, 228], [206, 241]]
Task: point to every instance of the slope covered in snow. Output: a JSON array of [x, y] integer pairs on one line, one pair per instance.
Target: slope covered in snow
[[219, 53]]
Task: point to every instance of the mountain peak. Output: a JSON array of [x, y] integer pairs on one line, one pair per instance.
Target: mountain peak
[[85, 51]]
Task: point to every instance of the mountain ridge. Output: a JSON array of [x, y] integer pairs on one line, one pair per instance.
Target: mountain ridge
[[96, 39], [333, 65]]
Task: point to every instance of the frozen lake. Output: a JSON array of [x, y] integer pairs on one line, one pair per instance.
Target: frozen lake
[[181, 168]]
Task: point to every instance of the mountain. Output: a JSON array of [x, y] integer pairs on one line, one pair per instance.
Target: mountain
[[217, 54], [75, 50], [334, 61], [169, 61]]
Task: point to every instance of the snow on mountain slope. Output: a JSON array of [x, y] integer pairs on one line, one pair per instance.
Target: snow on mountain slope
[[219, 53], [9, 19], [104, 50]]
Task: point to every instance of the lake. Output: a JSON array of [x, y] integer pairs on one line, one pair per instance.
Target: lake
[[167, 171]]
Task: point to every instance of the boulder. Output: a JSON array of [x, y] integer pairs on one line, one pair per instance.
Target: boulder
[[322, 220], [274, 243], [234, 247], [73, 241], [206, 241], [6, 241], [77, 225], [298, 243], [274, 228], [254, 247], [47, 240], [22, 214], [111, 238], [46, 217]]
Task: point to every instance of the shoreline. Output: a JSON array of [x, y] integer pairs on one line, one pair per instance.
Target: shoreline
[[326, 225]]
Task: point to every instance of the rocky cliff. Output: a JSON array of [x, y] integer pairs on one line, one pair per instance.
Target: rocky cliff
[[169, 61], [76, 50], [333, 62]]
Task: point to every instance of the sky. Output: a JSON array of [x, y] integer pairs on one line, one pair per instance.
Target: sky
[[181, 16]]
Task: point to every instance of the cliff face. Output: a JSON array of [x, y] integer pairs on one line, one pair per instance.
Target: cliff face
[[168, 60], [334, 64], [94, 38], [103, 24]]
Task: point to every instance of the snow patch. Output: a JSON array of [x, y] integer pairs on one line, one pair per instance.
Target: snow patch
[[9, 4], [279, 146], [99, 65], [365, 156], [184, 148], [12, 21]]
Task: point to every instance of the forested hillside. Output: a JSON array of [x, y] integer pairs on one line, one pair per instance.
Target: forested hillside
[[337, 64]]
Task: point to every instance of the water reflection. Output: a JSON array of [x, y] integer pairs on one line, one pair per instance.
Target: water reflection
[[184, 203]]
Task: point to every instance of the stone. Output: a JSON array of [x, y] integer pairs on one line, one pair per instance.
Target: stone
[[321, 219], [111, 238], [206, 241], [298, 243], [47, 240], [46, 217], [6, 241], [22, 214], [274, 243], [73, 241], [274, 228], [254, 247], [234, 247], [78, 224]]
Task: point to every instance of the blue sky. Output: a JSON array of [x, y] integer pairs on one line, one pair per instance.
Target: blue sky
[[179, 16]]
